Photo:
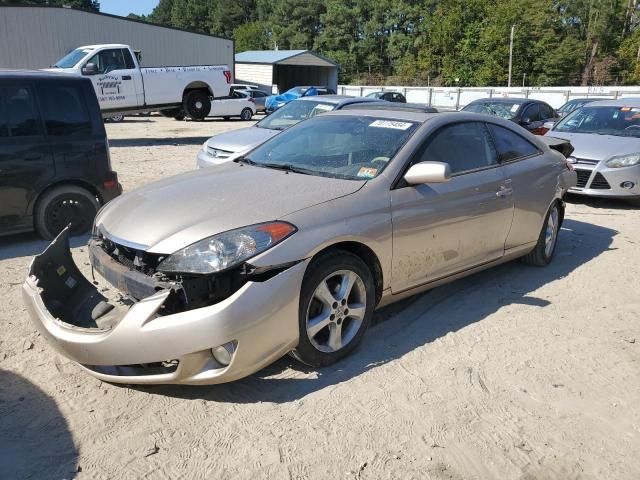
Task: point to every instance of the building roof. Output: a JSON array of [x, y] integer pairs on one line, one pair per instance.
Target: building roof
[[284, 57]]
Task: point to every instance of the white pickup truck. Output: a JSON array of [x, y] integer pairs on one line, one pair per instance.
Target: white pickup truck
[[122, 86]]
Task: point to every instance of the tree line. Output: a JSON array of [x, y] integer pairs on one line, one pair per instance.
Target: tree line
[[430, 42]]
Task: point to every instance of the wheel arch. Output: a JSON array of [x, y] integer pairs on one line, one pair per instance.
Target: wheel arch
[[197, 85], [366, 254]]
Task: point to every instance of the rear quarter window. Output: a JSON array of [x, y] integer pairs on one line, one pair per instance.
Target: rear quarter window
[[64, 110], [20, 111], [510, 145]]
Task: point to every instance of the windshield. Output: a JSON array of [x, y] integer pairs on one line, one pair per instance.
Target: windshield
[[71, 59], [375, 95], [293, 113], [620, 121], [506, 110], [346, 147]]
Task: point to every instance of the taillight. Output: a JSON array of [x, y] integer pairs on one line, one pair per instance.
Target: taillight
[[227, 75], [109, 184]]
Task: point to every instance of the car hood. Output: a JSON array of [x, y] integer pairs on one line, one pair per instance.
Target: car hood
[[170, 214], [241, 140], [598, 147]]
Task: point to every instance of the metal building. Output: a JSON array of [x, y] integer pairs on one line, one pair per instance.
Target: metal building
[[283, 69], [35, 37]]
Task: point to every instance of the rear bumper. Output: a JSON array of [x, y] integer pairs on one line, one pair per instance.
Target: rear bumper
[[110, 188], [261, 319]]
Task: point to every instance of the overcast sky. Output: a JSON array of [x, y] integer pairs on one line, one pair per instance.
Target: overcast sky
[[125, 7]]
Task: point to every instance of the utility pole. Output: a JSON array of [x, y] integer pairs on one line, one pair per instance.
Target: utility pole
[[513, 29], [524, 77]]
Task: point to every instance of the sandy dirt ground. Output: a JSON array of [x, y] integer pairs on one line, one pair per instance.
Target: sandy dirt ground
[[514, 373]]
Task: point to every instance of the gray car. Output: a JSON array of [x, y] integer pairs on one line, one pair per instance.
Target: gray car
[[606, 138], [231, 145], [291, 248]]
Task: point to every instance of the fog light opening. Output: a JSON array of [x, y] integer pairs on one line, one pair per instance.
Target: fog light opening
[[224, 353], [627, 185]]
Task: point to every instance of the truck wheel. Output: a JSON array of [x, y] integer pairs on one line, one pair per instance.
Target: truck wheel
[[246, 114], [197, 104], [64, 205]]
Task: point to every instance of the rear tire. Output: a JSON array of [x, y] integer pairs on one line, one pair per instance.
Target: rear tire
[[246, 114], [197, 104], [64, 205], [337, 299], [543, 252]]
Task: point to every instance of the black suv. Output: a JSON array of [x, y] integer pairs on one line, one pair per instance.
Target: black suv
[[55, 168]]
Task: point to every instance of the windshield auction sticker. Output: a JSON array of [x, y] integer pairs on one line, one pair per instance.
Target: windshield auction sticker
[[367, 172], [390, 124]]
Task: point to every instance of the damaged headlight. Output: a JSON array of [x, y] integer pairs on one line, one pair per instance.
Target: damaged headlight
[[620, 161], [228, 249]]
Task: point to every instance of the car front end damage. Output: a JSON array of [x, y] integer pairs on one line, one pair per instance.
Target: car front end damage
[[172, 328]]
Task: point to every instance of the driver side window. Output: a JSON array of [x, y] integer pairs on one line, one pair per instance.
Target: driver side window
[[108, 61], [464, 146]]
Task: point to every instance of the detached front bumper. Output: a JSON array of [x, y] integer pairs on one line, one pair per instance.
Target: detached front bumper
[[137, 345]]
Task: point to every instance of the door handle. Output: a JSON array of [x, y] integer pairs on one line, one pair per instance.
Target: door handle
[[504, 192], [126, 77]]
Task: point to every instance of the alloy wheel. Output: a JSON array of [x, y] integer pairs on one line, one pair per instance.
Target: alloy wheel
[[551, 233], [336, 311]]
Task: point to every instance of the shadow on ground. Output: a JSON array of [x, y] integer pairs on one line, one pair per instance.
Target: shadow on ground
[[412, 323], [35, 441], [601, 202], [30, 244]]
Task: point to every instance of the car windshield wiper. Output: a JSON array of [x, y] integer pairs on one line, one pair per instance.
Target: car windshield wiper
[[286, 167]]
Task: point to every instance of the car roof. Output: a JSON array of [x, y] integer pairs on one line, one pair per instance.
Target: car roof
[[505, 100], [37, 74], [334, 99], [621, 102], [104, 45], [411, 107], [409, 116]]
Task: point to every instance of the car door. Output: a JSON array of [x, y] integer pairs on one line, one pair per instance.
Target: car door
[[440, 229], [26, 163], [114, 83], [532, 180]]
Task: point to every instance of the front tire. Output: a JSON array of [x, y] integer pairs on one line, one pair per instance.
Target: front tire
[[64, 205], [337, 300], [197, 104], [543, 252], [246, 114], [116, 118]]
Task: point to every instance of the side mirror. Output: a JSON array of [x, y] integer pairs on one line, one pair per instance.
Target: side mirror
[[90, 69], [549, 125], [428, 172], [526, 121]]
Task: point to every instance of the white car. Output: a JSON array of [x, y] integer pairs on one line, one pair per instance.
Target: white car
[[122, 86], [238, 104]]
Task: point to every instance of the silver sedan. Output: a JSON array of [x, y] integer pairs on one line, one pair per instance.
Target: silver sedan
[[290, 248], [606, 138]]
